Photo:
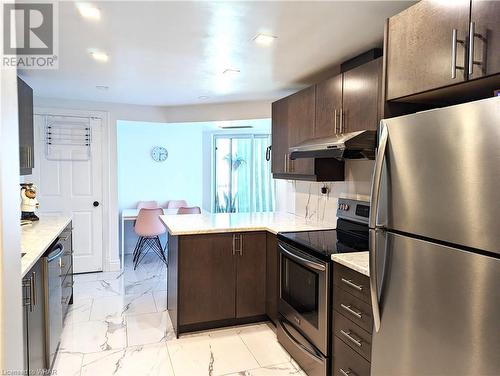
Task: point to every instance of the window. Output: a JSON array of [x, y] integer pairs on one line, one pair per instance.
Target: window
[[242, 175]]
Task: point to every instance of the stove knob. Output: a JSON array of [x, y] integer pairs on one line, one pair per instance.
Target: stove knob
[[346, 207]]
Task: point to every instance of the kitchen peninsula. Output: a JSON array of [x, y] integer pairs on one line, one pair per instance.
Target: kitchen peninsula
[[227, 264]]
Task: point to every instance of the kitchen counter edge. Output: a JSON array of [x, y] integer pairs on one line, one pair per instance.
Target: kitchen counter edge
[[45, 231], [358, 261]]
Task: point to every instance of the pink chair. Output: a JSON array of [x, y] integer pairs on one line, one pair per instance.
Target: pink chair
[[174, 204], [149, 228], [147, 205], [190, 210]]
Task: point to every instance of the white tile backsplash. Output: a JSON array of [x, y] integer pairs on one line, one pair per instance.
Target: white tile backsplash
[[305, 199]]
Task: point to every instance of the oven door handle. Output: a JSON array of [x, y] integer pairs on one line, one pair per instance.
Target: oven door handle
[[301, 260], [314, 355]]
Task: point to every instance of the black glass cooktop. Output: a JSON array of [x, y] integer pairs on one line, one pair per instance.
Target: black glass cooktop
[[348, 237]]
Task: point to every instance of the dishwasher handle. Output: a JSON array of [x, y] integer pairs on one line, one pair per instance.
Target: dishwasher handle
[[56, 252]]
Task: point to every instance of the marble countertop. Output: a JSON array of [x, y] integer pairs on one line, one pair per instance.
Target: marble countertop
[[37, 237], [358, 261], [205, 223]]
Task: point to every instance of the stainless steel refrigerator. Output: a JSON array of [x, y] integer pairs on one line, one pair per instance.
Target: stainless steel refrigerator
[[435, 243]]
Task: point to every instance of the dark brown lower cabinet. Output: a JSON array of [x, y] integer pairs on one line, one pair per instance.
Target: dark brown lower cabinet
[[207, 281], [34, 320], [352, 323], [216, 280], [251, 275], [272, 278]]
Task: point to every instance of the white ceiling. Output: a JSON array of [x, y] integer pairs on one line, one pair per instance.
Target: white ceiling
[[171, 53]]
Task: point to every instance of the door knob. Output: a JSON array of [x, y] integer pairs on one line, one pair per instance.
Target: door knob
[[96, 204]]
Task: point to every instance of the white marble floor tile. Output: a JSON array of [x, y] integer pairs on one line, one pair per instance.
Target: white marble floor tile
[[94, 336], [117, 306], [149, 328], [160, 298], [97, 289], [276, 370], [79, 311], [263, 344], [204, 354], [85, 277], [152, 360], [68, 364]]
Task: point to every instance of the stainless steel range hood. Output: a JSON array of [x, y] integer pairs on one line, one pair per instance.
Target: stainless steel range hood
[[354, 145]]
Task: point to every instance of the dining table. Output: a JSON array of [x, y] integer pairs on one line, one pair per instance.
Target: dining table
[[131, 215]]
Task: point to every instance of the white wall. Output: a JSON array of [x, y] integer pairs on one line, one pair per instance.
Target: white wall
[[117, 111], [306, 200], [11, 351], [141, 178]]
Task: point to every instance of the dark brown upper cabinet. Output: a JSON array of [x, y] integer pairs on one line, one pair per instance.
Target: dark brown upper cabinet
[[26, 135], [362, 89], [301, 115], [345, 103], [430, 49], [485, 46], [328, 106], [279, 151]]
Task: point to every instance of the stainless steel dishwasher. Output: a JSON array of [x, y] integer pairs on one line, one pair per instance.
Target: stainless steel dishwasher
[[52, 263]]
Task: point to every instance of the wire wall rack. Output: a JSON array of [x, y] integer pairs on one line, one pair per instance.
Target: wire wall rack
[[68, 138]]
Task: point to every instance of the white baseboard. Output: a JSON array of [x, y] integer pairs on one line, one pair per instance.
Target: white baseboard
[[113, 266]]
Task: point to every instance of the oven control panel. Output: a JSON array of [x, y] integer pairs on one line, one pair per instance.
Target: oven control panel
[[354, 210]]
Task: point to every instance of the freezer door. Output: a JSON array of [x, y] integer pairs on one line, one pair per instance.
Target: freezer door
[[440, 310], [441, 175]]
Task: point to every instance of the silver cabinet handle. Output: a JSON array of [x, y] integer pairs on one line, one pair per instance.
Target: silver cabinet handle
[[335, 121], [454, 42], [348, 335], [471, 46], [341, 121], [348, 308], [346, 373], [472, 36], [32, 293], [349, 283], [33, 276], [234, 244]]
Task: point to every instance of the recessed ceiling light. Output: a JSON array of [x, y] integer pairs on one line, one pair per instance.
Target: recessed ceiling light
[[264, 39], [203, 97], [102, 87], [231, 72], [89, 11], [99, 56]]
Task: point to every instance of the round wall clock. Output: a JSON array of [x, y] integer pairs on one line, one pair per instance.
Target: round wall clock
[[159, 154]]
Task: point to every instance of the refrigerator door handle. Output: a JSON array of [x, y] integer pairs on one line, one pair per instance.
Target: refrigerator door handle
[[377, 174], [373, 280]]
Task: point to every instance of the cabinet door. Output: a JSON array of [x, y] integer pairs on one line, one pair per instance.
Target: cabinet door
[[36, 319], [251, 274], [26, 135], [272, 279], [206, 278], [419, 46], [328, 106], [361, 97], [301, 113], [485, 16], [279, 134]]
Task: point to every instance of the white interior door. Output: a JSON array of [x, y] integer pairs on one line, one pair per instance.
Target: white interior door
[[70, 184]]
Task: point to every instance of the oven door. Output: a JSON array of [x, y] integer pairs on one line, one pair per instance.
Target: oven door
[[304, 294]]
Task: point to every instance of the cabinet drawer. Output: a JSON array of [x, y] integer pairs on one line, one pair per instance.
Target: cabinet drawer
[[353, 308], [66, 263], [352, 335], [351, 281], [348, 362], [67, 292]]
